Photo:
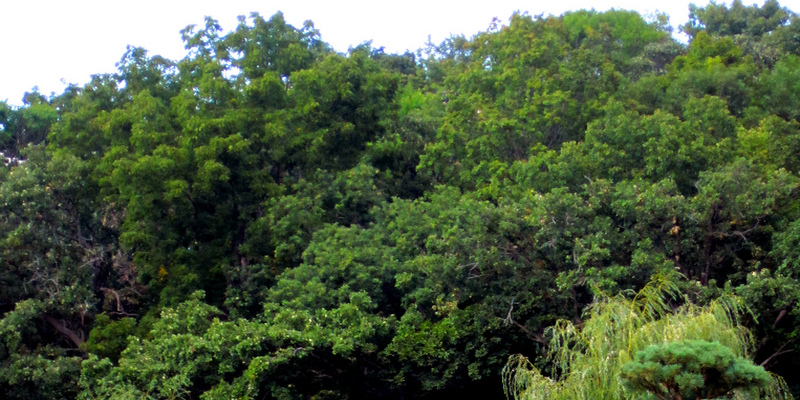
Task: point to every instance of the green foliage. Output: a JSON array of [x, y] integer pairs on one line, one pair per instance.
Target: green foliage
[[28, 125], [109, 338], [47, 374], [692, 369], [718, 19], [32, 370], [374, 225], [627, 345]]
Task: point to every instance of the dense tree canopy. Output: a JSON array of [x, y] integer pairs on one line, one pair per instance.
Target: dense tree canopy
[[268, 218]]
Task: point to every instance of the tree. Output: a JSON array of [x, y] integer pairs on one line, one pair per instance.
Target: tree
[[623, 338], [26, 125], [373, 225], [55, 258], [720, 20], [693, 369]]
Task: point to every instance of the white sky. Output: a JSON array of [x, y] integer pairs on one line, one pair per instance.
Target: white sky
[[43, 42]]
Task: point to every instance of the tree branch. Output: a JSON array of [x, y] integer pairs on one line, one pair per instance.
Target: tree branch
[[780, 317], [116, 295], [62, 329], [780, 351], [510, 320]]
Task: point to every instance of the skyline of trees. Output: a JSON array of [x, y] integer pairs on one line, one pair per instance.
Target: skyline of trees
[[268, 218]]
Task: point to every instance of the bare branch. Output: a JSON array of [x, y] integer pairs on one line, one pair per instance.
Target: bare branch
[[780, 352], [116, 295]]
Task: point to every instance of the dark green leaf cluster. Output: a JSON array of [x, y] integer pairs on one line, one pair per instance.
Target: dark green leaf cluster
[[691, 369]]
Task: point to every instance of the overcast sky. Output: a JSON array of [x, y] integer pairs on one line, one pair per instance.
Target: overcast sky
[[45, 43]]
